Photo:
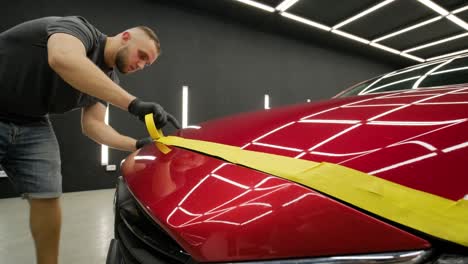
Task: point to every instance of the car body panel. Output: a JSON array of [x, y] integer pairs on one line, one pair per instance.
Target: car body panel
[[391, 127], [223, 212], [399, 136], [219, 211]]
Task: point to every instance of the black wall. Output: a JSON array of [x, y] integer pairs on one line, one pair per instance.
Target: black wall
[[228, 64]]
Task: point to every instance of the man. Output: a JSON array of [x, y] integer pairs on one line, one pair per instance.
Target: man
[[54, 65]]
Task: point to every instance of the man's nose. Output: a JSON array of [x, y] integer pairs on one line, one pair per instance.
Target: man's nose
[[141, 65]]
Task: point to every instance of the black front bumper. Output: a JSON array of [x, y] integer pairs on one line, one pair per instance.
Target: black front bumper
[[138, 239]]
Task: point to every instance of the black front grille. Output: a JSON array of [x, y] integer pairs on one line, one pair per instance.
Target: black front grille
[[140, 236]]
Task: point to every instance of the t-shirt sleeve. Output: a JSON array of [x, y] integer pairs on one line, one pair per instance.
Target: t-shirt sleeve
[[95, 100], [114, 77], [75, 26]]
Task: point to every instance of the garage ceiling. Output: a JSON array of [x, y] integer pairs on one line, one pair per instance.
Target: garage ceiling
[[397, 31], [420, 30]]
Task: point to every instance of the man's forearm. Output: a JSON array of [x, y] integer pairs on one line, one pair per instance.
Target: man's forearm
[[83, 75], [106, 135]]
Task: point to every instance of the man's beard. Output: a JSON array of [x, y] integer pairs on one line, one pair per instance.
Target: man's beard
[[121, 60]]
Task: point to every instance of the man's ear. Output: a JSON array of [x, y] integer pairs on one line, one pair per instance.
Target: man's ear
[[126, 36]]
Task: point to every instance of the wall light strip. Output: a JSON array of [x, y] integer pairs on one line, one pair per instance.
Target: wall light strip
[[412, 57], [104, 148], [286, 5], [350, 36], [267, 101], [434, 7], [257, 5], [364, 13], [436, 42], [458, 21], [306, 21], [184, 106], [382, 47], [448, 55]]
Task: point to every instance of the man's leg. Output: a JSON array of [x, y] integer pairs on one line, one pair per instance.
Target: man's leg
[[32, 162], [45, 221]]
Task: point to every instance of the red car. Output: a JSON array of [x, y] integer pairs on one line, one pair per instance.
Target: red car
[[388, 181]]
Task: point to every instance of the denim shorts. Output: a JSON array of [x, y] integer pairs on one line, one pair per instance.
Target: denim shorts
[[30, 156]]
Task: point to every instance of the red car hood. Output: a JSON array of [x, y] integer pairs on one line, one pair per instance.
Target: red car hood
[[223, 212]]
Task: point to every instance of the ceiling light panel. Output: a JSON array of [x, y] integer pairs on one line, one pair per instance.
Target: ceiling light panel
[[412, 57], [317, 10], [390, 18], [447, 55], [421, 33], [306, 21], [437, 42], [387, 49], [435, 7], [458, 21], [257, 4], [272, 3], [440, 29], [450, 5], [463, 15], [363, 13], [285, 5], [350, 36], [409, 28], [444, 48], [460, 10]]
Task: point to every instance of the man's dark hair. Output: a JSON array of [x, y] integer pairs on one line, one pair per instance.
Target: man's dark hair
[[150, 33]]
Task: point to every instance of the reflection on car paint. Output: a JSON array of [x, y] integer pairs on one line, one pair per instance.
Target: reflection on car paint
[[214, 215], [374, 121]]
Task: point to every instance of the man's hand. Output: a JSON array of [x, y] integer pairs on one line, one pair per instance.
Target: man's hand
[[161, 117], [143, 141]]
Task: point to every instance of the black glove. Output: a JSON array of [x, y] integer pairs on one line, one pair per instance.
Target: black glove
[[140, 109], [143, 141]]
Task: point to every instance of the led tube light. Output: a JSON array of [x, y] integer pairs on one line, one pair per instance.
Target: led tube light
[[350, 36], [460, 10], [382, 47], [408, 29], [434, 7], [286, 5], [104, 148], [257, 5], [458, 21], [184, 106], [364, 13], [305, 21], [447, 55], [436, 42], [409, 56]]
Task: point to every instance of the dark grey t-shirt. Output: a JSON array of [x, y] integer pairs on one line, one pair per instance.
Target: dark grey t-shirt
[[29, 88]]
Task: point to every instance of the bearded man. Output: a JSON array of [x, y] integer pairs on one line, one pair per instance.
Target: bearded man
[[55, 65]]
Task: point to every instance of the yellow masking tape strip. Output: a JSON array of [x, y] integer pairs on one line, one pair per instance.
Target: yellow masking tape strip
[[428, 213], [155, 133]]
